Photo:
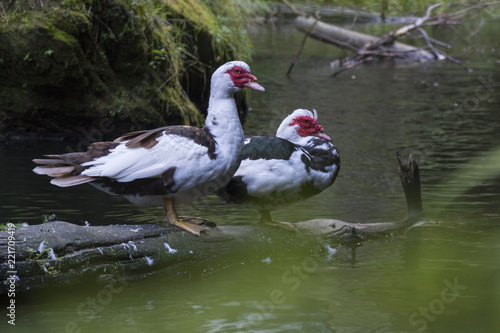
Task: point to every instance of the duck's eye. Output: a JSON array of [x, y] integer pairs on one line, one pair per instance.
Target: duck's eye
[[236, 71], [306, 121]]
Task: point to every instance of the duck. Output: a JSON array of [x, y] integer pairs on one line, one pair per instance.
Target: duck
[[168, 165], [276, 171]]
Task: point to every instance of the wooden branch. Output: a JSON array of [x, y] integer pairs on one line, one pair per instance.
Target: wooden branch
[[293, 8], [418, 23], [409, 175], [353, 40], [439, 54], [438, 42], [61, 254], [366, 47], [390, 37], [431, 47], [352, 64], [300, 49]]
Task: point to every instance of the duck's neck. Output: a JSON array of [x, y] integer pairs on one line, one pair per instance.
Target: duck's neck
[[224, 124]]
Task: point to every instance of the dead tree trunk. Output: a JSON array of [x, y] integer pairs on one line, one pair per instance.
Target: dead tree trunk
[[356, 41], [366, 48], [62, 254]]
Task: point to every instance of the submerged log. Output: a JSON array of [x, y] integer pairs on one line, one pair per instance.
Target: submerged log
[[59, 253]]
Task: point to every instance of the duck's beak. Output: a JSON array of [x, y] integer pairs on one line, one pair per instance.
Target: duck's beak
[[252, 84], [321, 133], [323, 136]]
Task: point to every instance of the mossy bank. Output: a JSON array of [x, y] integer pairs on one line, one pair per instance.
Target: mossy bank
[[69, 66]]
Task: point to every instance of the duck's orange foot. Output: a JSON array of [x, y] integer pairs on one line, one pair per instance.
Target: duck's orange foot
[[194, 225], [265, 218]]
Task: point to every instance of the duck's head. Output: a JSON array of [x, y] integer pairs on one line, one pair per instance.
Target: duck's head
[[232, 77], [301, 123]]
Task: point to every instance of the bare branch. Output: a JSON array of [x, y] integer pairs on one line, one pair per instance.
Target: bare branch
[[366, 47], [352, 64], [294, 9], [404, 30], [439, 54], [431, 47], [440, 43], [300, 49], [421, 20]]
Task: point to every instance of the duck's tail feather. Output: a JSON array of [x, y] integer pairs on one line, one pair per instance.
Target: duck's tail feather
[[66, 169]]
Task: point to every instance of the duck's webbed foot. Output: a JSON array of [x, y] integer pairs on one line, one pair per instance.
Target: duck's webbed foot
[[194, 225], [200, 221], [265, 218]]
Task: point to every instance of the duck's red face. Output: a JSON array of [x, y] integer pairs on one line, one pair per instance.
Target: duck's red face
[[308, 126], [243, 78]]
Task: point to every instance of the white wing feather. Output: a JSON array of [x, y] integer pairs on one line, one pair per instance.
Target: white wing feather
[[265, 176], [126, 164]]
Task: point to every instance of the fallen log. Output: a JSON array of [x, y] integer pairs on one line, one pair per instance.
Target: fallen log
[[366, 48], [354, 41], [58, 253]]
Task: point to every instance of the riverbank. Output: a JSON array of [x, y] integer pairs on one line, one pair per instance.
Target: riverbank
[[70, 67]]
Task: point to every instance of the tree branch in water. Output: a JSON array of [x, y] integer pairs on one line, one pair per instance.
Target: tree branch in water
[[366, 48]]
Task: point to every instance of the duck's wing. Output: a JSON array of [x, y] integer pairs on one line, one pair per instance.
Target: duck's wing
[[147, 154], [267, 148], [136, 155]]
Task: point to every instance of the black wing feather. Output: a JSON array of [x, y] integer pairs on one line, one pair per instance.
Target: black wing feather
[[268, 148]]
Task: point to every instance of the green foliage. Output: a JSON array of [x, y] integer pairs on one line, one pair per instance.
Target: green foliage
[[131, 60], [49, 218], [43, 260], [159, 56], [4, 227]]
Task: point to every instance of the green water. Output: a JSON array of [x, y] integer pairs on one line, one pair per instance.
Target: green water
[[443, 276]]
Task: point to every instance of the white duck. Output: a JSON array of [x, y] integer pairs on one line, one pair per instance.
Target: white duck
[[166, 165], [277, 171]]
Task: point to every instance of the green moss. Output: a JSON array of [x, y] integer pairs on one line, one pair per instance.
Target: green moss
[[190, 115], [5, 227], [196, 11], [63, 25], [69, 64]]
